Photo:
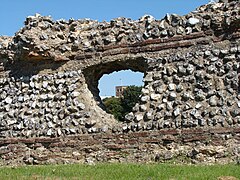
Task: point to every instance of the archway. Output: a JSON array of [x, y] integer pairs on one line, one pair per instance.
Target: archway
[[94, 73], [120, 91]]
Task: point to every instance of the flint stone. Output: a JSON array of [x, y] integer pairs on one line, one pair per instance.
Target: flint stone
[[75, 94], [201, 122], [186, 96], [155, 96], [198, 105], [164, 100], [72, 109], [24, 85], [168, 155], [147, 17], [92, 130], [81, 106], [148, 126], [190, 69], [224, 51], [72, 130], [49, 132], [179, 88], [20, 99], [59, 132], [90, 123], [11, 113], [139, 117], [164, 33], [169, 106], [193, 21], [129, 117], [182, 70], [148, 77], [162, 25], [149, 115], [72, 87], [20, 126], [43, 97], [172, 96], [105, 128], [33, 104], [161, 107], [207, 53], [200, 96], [144, 98], [176, 112], [187, 106], [8, 100], [143, 107], [213, 101], [171, 87], [36, 86], [45, 84], [230, 57], [160, 89], [180, 30], [108, 39], [11, 122], [31, 84], [195, 113], [135, 108], [50, 96], [233, 49], [43, 36], [50, 124], [145, 91], [216, 52], [7, 108], [188, 30], [61, 115]]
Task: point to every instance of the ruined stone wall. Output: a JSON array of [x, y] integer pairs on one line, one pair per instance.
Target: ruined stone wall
[[191, 146], [49, 73], [45, 105], [193, 87]]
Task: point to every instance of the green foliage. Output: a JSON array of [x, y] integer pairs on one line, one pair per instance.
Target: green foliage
[[121, 171], [130, 98], [113, 106], [119, 107]]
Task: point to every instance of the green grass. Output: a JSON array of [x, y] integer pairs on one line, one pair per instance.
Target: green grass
[[120, 171]]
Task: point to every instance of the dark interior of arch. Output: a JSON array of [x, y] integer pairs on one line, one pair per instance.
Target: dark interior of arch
[[94, 73]]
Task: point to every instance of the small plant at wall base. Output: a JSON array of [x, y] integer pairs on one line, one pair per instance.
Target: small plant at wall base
[[119, 107]]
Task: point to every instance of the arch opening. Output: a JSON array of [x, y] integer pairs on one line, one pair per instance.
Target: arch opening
[[94, 73], [120, 92]]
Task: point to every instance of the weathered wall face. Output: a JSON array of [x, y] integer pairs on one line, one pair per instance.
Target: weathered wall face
[[193, 87], [219, 145], [49, 73]]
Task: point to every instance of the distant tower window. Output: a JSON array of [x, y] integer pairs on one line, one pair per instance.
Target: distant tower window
[[120, 90]]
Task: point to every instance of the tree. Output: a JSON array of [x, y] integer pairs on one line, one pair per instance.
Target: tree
[[113, 106], [119, 107], [130, 98]]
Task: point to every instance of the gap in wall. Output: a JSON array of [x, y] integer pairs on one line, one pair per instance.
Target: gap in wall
[[108, 82]]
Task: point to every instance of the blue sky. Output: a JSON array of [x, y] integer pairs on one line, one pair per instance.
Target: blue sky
[[14, 12]]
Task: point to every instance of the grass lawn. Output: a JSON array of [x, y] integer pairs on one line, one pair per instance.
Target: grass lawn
[[122, 171]]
